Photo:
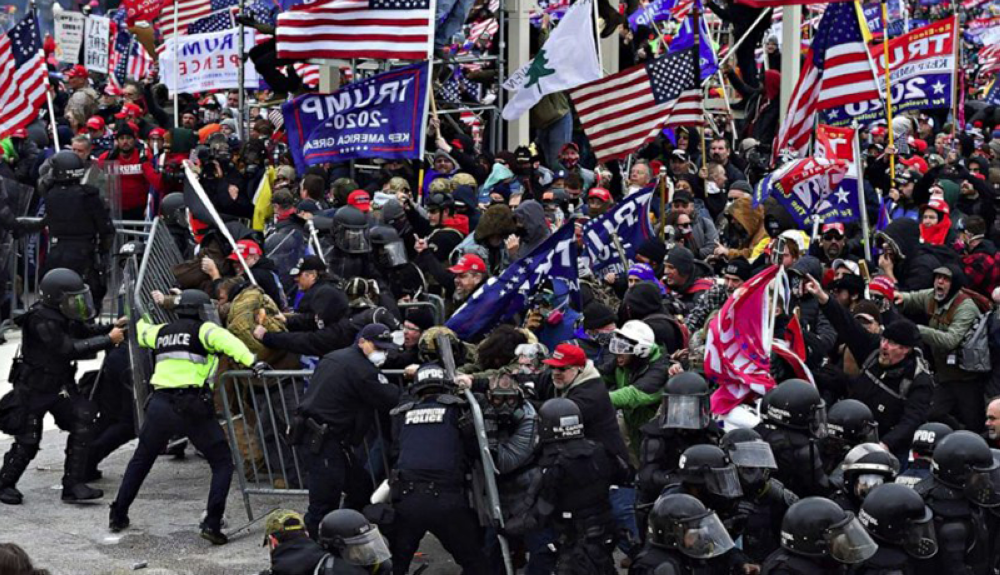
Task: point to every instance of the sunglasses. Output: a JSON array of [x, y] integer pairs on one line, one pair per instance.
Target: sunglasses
[[563, 369]]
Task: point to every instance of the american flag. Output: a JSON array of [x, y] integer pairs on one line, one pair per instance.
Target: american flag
[[459, 88], [837, 72], [989, 59], [129, 60], [489, 26], [357, 29], [309, 74], [23, 75], [623, 111], [189, 12], [682, 9], [217, 22]]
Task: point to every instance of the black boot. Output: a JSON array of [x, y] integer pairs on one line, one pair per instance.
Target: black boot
[[15, 462], [11, 496], [74, 488], [213, 534], [117, 520], [80, 492]]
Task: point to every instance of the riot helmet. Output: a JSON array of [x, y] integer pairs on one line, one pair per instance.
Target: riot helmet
[[679, 521], [192, 304], [173, 210], [752, 456], [850, 423], [431, 378], [394, 215], [349, 535], [686, 402], [561, 420], [63, 289], [67, 168], [818, 527], [867, 466], [927, 436], [795, 404], [896, 514], [350, 231], [709, 465], [440, 202], [388, 246], [963, 461]]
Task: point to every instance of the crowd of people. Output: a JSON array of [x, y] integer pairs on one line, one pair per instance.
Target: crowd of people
[[877, 451]]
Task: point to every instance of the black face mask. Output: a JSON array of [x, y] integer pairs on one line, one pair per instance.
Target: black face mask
[[521, 232]]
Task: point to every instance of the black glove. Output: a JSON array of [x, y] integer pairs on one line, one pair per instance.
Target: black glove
[[259, 368]]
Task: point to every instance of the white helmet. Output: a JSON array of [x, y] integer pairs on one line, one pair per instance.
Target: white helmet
[[634, 338]]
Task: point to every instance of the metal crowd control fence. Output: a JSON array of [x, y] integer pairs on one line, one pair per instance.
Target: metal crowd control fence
[[258, 412]]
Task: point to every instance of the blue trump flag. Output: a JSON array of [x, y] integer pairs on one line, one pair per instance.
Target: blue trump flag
[[503, 297], [629, 220], [655, 11], [378, 117], [684, 39]]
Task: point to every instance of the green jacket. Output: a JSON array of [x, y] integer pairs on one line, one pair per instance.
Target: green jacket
[[173, 373], [637, 406], [941, 336]]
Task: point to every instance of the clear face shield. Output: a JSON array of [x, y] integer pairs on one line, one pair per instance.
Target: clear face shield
[[353, 240], [686, 412], [755, 454], [78, 305], [366, 550], [817, 421], [703, 537], [849, 543], [982, 486], [620, 345], [921, 539], [724, 482], [394, 254], [866, 482]]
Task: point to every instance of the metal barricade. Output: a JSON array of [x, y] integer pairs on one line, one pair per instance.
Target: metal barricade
[[125, 231], [259, 412]]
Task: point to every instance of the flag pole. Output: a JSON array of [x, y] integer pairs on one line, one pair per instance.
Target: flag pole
[[865, 231], [888, 94], [176, 39], [736, 46], [242, 130], [696, 36], [597, 34], [428, 100]]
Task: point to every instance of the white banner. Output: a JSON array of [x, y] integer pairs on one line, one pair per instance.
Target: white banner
[[203, 62], [69, 36], [97, 44]]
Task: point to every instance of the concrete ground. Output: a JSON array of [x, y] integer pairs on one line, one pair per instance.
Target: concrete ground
[[163, 540]]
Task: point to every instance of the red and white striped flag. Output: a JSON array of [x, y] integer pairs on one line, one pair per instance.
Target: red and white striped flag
[[187, 12], [347, 29], [309, 74], [989, 59], [23, 75], [623, 111], [682, 9], [489, 26], [837, 72]]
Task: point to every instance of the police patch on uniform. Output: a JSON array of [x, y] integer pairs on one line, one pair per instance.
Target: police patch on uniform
[[425, 415]]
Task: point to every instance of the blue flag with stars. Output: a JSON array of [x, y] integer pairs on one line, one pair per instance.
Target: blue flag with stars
[[629, 220], [684, 39], [507, 295]]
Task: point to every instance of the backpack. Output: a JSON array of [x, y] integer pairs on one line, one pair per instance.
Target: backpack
[[973, 354]]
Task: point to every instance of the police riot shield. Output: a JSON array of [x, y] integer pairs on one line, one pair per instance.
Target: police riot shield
[[140, 361], [485, 472]]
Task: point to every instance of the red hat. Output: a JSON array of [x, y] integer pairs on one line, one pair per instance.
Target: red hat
[[569, 146], [19, 133], [599, 193], [157, 133], [878, 131], [469, 263], [918, 145], [916, 162], [839, 228], [246, 248], [96, 123], [77, 71], [129, 110], [360, 199], [567, 355], [883, 286], [938, 205], [656, 166]]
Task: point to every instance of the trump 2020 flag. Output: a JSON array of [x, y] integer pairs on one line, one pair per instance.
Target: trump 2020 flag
[[567, 60], [379, 117], [737, 347], [806, 188], [843, 205], [503, 297], [629, 220]]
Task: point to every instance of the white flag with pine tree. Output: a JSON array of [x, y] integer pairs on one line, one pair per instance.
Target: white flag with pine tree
[[567, 60]]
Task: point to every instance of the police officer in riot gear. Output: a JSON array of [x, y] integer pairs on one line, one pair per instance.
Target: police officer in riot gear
[[960, 487], [352, 246], [403, 276], [765, 500], [79, 224], [185, 353], [896, 517], [571, 495], [173, 213], [684, 421], [817, 536], [922, 452], [684, 538], [866, 467], [793, 420], [428, 486], [354, 546], [849, 423], [56, 333]]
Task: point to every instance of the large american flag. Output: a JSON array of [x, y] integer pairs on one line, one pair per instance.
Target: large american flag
[[357, 29], [837, 72], [623, 111], [23, 75], [189, 12]]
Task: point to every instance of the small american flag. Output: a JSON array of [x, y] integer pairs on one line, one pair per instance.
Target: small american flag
[[837, 72], [623, 111], [189, 12], [276, 119], [459, 88], [357, 29], [215, 23], [989, 59], [23, 75]]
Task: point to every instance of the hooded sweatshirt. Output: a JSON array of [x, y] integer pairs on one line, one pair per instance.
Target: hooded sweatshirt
[[531, 216], [752, 221]]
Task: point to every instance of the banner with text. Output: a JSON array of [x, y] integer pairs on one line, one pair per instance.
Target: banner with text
[[379, 117], [206, 62], [922, 63], [69, 36], [97, 44]]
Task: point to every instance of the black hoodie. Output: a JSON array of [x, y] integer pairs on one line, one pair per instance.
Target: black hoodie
[[307, 337], [644, 302], [915, 271]]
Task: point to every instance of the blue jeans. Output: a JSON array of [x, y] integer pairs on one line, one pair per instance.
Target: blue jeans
[[553, 137], [623, 509], [450, 16]]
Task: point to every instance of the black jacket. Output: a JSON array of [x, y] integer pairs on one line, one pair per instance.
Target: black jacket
[[296, 556], [345, 392], [306, 337], [898, 414]]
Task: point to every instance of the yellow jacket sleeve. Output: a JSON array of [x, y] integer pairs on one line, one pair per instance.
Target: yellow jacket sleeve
[[217, 339]]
